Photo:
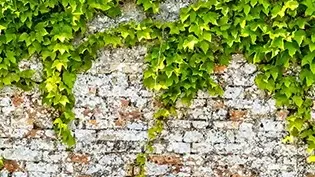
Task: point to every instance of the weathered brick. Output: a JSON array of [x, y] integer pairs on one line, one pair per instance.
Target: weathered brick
[[85, 135], [12, 166], [20, 174], [79, 158], [22, 154], [270, 125], [125, 135], [42, 167], [215, 136], [193, 136], [41, 174], [201, 148], [178, 147], [44, 144]]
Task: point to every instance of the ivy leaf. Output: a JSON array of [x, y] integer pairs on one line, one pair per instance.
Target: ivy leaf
[[9, 37], [27, 73], [308, 59], [246, 9], [169, 71], [204, 46], [243, 23], [311, 159], [275, 11], [292, 4], [278, 42], [184, 14], [64, 100], [69, 78], [60, 47], [310, 7], [195, 29], [58, 64], [207, 36], [113, 12], [299, 36], [11, 56], [210, 17], [311, 46], [312, 67], [2, 27], [40, 29], [207, 66], [297, 100], [23, 37], [46, 54], [190, 42], [291, 48]]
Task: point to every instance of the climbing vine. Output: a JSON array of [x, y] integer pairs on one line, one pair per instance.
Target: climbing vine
[[276, 35]]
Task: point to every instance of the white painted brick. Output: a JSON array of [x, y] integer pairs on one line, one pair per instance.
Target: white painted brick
[[22, 154], [193, 136], [42, 167], [85, 135], [41, 174], [44, 144], [203, 147], [125, 135], [178, 147], [19, 174]]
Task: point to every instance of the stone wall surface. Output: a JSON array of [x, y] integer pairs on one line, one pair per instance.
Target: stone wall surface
[[238, 135]]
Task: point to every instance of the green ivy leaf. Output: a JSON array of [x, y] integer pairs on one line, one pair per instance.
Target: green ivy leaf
[[291, 48], [204, 46], [297, 100], [246, 9], [311, 159], [64, 100], [299, 36], [292, 5], [190, 42], [310, 7]]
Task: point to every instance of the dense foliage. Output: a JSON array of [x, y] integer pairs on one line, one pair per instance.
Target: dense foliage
[[278, 36]]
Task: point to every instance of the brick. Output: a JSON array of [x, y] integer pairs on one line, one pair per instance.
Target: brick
[[54, 156], [12, 166], [79, 158], [165, 159], [202, 148], [22, 154], [174, 136], [41, 174], [216, 136], [124, 135], [269, 125], [219, 69], [193, 136], [234, 93], [85, 135], [154, 169], [17, 100], [178, 147], [42, 167], [20, 174], [226, 124], [180, 124], [44, 144], [237, 115]]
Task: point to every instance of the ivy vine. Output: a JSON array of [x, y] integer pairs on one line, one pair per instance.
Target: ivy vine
[[277, 36]]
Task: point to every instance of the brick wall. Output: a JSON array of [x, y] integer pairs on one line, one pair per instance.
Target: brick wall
[[238, 135]]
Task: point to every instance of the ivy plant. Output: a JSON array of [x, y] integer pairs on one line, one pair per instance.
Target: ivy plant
[[277, 36]]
